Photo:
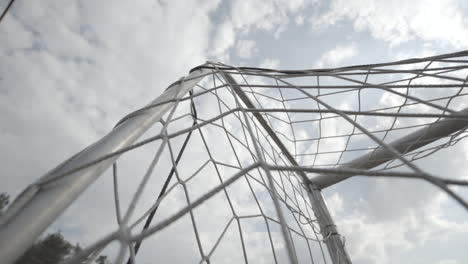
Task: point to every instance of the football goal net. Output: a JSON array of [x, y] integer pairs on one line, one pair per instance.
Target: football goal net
[[228, 164]]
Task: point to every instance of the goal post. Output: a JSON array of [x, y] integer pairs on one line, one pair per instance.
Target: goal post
[[47, 198], [334, 243], [261, 144], [403, 145]]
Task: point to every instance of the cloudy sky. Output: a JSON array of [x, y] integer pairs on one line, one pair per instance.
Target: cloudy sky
[[71, 69]]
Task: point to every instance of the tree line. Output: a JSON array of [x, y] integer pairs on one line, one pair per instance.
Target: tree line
[[50, 249]]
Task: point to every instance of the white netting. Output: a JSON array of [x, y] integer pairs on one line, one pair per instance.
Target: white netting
[[228, 179]]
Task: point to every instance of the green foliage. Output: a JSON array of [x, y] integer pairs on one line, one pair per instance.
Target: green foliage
[[49, 250], [102, 260], [4, 201], [52, 249]]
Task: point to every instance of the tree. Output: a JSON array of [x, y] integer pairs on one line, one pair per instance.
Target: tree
[[102, 260], [50, 250], [4, 201]]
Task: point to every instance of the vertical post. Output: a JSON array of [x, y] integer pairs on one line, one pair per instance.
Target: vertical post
[[44, 201], [328, 229]]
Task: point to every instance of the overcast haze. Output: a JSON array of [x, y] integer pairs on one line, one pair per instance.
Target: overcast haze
[[71, 69]]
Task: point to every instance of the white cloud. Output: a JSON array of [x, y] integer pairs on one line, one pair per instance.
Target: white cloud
[[399, 21], [299, 20], [70, 71], [245, 48], [335, 204], [259, 14], [415, 229], [448, 261], [269, 63], [337, 55], [224, 39], [270, 16]]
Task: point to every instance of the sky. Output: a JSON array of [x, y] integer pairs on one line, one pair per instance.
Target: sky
[[71, 69]]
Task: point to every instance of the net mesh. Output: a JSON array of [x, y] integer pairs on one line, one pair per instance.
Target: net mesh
[[221, 185]]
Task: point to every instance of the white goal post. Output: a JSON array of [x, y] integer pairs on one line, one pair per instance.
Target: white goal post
[[280, 135]]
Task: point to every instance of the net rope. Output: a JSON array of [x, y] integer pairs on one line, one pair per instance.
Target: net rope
[[210, 151]]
